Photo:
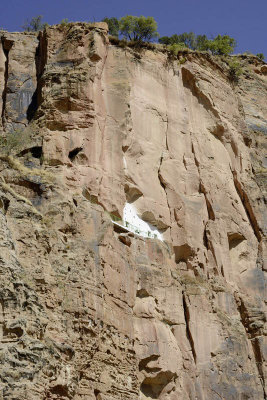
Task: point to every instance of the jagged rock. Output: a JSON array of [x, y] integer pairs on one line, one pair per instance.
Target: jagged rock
[[89, 310]]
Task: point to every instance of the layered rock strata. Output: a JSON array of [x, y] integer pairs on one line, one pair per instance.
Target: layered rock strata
[[89, 310]]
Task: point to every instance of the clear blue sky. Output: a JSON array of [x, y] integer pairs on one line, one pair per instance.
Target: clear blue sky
[[245, 20]]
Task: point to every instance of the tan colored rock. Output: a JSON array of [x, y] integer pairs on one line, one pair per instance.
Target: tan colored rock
[[20, 83], [88, 309], [2, 78]]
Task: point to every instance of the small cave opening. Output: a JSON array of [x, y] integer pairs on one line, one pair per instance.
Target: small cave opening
[[4, 204], [73, 153], [152, 386], [32, 108], [182, 253], [14, 332], [235, 239], [141, 293], [37, 189], [132, 193], [59, 390], [35, 152]]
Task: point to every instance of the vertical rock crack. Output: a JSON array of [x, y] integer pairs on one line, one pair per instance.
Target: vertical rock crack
[[188, 331]]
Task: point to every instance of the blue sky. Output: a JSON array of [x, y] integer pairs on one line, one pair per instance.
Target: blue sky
[[245, 20]]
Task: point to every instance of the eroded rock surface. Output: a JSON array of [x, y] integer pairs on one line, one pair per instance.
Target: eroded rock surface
[[88, 310]]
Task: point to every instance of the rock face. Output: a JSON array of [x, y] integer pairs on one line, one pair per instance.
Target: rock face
[[89, 310]]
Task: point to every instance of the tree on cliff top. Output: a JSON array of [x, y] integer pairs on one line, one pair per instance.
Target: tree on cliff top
[[190, 40], [221, 45], [113, 26], [138, 28], [34, 25]]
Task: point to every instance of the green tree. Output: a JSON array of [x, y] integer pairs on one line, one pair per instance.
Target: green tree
[[35, 24], [113, 26], [185, 38], [165, 40], [260, 56], [221, 45], [201, 42], [138, 28], [190, 40]]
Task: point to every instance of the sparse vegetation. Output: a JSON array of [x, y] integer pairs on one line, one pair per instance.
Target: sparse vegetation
[[141, 29], [235, 70], [64, 22], [7, 188], [35, 24], [14, 141], [260, 56], [182, 60], [45, 175], [176, 47]]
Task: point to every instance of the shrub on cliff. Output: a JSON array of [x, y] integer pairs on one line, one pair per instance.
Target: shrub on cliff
[[113, 26], [138, 29], [260, 56], [176, 47], [235, 70], [14, 141], [221, 45], [35, 24], [64, 22]]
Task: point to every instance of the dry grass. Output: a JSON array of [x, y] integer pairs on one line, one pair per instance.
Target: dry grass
[[14, 163], [18, 197]]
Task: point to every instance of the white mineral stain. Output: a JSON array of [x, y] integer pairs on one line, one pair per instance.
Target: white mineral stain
[[137, 225]]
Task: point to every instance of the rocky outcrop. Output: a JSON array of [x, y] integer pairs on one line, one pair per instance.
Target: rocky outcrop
[[89, 309]]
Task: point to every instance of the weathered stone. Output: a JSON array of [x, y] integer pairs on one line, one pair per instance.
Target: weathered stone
[[88, 309]]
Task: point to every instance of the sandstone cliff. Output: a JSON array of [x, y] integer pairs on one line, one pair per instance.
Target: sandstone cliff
[[88, 309]]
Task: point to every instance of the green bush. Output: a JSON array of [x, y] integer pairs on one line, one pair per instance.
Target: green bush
[[176, 47], [113, 26], [201, 43], [235, 70], [260, 56], [221, 45], [64, 22], [190, 40], [35, 24], [182, 60], [138, 29]]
